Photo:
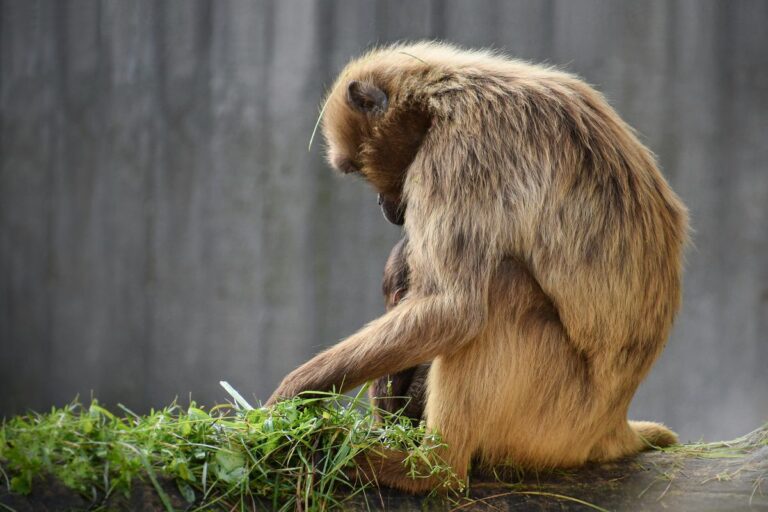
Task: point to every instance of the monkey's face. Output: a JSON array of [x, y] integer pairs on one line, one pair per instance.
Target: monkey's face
[[393, 210], [372, 132]]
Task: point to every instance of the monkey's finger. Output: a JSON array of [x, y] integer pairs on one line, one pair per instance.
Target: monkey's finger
[[275, 398]]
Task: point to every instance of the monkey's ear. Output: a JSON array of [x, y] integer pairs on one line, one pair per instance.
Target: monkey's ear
[[398, 296], [366, 98]]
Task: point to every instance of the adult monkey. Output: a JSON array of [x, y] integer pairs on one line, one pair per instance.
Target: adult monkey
[[545, 256]]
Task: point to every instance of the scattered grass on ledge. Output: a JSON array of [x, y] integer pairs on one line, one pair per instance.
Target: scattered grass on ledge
[[293, 456], [734, 449]]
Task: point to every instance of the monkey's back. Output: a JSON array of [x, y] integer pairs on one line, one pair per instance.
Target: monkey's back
[[588, 238]]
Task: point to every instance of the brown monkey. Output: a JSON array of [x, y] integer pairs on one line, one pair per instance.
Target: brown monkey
[[406, 390], [544, 251]]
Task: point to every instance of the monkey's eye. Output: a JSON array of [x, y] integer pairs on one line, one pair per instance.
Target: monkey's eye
[[345, 165]]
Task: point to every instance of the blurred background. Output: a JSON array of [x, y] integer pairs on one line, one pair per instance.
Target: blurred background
[[163, 226]]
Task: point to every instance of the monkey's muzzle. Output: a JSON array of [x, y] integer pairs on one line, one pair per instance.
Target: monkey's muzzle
[[393, 211]]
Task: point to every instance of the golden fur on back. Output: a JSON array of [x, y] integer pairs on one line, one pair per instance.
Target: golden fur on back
[[544, 250]]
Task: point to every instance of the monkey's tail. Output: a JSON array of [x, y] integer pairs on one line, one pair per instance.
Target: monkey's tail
[[654, 434]]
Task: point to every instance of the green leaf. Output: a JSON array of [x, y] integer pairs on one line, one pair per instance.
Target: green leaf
[[230, 467], [186, 491], [21, 484], [96, 410], [197, 414]]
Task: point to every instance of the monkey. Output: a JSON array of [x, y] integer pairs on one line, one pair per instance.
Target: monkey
[[405, 391], [394, 283], [544, 254]]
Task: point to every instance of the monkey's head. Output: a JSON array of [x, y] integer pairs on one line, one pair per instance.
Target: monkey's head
[[374, 123]]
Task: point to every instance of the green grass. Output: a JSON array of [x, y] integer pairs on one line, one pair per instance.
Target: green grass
[[735, 448], [293, 456]]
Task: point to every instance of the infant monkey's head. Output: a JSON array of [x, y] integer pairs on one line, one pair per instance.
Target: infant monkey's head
[[395, 281]]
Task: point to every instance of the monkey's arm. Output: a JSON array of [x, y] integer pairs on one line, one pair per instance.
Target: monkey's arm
[[416, 331], [451, 260]]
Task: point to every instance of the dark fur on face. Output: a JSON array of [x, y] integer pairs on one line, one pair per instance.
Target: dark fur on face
[[394, 211], [393, 128]]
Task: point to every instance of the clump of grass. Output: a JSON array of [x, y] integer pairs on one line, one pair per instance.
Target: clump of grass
[[295, 455]]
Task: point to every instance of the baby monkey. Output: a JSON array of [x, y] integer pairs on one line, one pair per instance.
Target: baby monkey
[[406, 390]]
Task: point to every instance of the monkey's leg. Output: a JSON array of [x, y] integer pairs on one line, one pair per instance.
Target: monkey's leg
[[389, 468], [416, 331], [450, 411], [395, 393], [417, 393], [631, 437], [389, 393], [403, 391]]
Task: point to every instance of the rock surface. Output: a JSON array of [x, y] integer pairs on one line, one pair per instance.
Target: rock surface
[[729, 476]]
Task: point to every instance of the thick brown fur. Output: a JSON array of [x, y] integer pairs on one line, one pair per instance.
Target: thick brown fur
[[544, 249]]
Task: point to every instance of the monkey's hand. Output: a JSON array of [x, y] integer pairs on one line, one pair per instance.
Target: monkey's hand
[[277, 396], [286, 390]]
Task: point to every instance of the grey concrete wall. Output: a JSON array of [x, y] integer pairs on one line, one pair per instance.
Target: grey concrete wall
[[163, 227]]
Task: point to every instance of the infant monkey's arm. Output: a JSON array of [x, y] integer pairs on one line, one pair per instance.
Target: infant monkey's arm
[[405, 390]]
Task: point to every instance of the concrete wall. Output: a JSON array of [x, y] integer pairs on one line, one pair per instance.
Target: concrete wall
[[163, 227]]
